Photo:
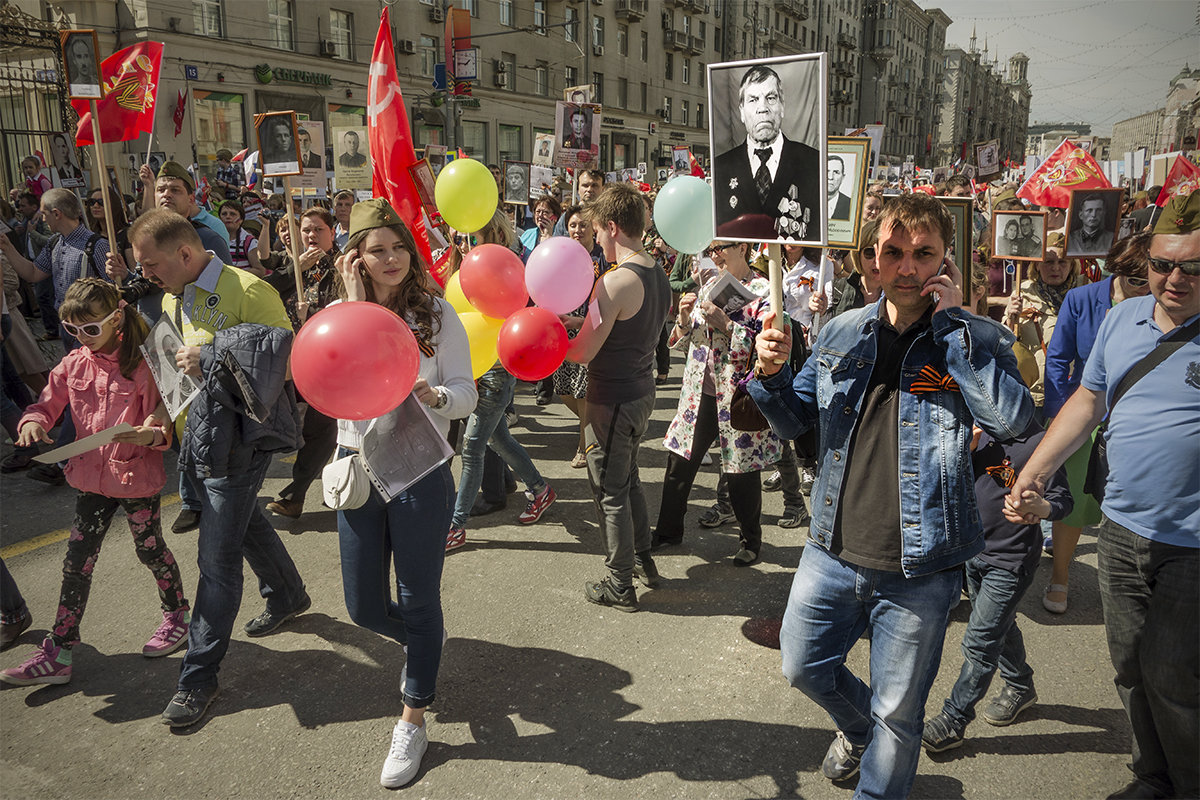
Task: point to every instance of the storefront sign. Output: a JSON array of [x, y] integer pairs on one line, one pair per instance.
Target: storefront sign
[[613, 122], [677, 136], [265, 73]]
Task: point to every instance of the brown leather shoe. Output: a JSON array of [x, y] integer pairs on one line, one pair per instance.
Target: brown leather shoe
[[286, 508]]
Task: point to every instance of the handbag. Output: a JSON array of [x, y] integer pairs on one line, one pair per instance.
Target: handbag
[[743, 412], [345, 484], [1097, 468]]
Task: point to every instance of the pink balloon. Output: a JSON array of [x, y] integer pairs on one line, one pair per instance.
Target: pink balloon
[[559, 274], [355, 361], [492, 278], [532, 343]]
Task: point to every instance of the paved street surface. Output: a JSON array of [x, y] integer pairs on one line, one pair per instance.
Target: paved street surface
[[540, 695]]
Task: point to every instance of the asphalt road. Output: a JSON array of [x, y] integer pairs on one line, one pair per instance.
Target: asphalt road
[[540, 695]]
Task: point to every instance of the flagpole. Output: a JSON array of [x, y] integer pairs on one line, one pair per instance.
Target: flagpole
[[103, 180], [293, 236]]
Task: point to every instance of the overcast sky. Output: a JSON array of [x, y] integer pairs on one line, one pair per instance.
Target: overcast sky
[[1096, 61]]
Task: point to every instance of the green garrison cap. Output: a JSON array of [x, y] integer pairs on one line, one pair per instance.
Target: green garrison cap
[[1180, 215], [173, 169], [373, 213]]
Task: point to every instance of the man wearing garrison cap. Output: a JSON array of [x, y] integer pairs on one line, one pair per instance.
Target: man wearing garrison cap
[[1144, 374]]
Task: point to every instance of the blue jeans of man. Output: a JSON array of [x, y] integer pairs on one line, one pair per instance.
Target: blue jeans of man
[[832, 603], [12, 604], [992, 640], [407, 535], [485, 426], [232, 526], [1150, 593]]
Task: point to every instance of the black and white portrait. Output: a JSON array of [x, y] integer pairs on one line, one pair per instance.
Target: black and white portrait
[[987, 158], [681, 160], [351, 154], [1019, 235], [310, 152], [1092, 219], [67, 173], [277, 144], [541, 179], [845, 188], [661, 174], [82, 64], [352, 164], [516, 182], [837, 190], [543, 149], [768, 134], [941, 174], [435, 154]]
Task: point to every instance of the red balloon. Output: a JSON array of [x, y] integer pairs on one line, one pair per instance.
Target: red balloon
[[492, 278], [355, 361], [532, 343]]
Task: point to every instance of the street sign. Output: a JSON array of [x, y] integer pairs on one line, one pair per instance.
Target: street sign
[[191, 72], [439, 77]]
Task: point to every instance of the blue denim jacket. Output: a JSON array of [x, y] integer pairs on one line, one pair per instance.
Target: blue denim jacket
[[939, 518]]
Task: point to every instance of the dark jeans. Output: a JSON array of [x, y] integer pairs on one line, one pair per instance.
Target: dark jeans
[[320, 440], [232, 526], [992, 640], [44, 290], [12, 604], [408, 535], [662, 353], [1150, 593], [15, 395], [745, 488]]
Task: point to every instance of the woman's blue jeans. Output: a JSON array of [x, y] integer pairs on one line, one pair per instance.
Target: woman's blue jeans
[[407, 535]]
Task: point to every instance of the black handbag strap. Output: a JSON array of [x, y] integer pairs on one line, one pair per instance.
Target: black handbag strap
[[1170, 343]]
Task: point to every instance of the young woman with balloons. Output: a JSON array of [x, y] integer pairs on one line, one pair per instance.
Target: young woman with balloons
[[720, 353], [382, 265], [319, 277]]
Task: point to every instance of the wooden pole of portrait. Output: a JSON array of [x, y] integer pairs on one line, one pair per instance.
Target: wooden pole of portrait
[[293, 237], [103, 177], [775, 275], [822, 277]]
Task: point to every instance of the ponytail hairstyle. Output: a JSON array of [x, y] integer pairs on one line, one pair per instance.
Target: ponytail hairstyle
[[94, 297]]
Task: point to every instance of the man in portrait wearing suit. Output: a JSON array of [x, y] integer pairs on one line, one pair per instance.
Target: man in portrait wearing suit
[[578, 137], [308, 158], [837, 203], [350, 157], [767, 186]]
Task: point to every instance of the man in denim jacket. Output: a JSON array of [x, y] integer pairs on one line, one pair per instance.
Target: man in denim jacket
[[893, 389]]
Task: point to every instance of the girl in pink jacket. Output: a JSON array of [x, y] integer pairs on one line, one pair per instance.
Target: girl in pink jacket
[[105, 382]]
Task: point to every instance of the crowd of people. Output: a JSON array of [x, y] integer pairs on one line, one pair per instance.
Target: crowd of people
[[934, 422]]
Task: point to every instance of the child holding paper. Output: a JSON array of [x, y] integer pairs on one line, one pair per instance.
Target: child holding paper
[[106, 382]]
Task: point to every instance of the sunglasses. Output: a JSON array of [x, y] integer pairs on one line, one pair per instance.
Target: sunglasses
[[89, 329], [1164, 267], [460, 238], [89, 203], [868, 252], [1135, 282], [708, 251]]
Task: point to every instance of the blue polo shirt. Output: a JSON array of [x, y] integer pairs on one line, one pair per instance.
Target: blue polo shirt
[[1153, 432], [66, 262]]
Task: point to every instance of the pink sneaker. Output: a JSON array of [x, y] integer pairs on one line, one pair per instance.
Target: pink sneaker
[[537, 506], [171, 634], [48, 664], [456, 538]]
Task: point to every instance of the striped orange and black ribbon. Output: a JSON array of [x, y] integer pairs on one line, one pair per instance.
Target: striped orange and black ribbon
[[930, 380]]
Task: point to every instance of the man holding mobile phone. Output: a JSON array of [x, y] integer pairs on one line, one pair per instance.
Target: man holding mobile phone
[[893, 389]]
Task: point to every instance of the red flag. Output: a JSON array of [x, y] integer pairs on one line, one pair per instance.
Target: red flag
[[390, 138], [1182, 178], [696, 170], [180, 106], [130, 79], [1068, 168]]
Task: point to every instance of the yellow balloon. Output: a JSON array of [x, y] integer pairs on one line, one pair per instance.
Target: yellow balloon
[[482, 333], [455, 296], [466, 194]]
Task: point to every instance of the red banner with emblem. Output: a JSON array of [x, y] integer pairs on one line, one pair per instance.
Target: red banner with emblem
[[180, 110], [390, 139], [1182, 178], [130, 79], [1068, 168]]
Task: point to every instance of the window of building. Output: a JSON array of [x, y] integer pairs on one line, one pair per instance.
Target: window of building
[[571, 29], [645, 46], [700, 120], [470, 5], [341, 33], [684, 110], [622, 93], [598, 83], [429, 54], [508, 63], [510, 142], [541, 78], [667, 109], [623, 40], [687, 70], [506, 12], [687, 25], [644, 96], [279, 21], [597, 31], [206, 18], [474, 141], [220, 123], [669, 67], [539, 16], [700, 71]]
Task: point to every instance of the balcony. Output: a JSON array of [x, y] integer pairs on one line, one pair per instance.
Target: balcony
[[632, 10], [698, 6], [848, 41], [844, 68], [839, 97], [675, 40], [782, 40], [695, 45], [796, 8]]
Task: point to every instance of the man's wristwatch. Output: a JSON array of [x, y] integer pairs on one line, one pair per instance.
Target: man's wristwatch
[[443, 398]]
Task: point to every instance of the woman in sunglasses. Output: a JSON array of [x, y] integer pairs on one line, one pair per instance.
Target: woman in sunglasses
[[95, 206], [720, 348], [1083, 309], [546, 211]]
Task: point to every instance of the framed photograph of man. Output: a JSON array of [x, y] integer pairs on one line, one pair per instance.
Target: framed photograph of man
[[941, 174], [310, 136], [82, 62], [767, 128], [1092, 222], [1128, 228], [543, 150], [987, 159], [352, 161], [278, 144], [66, 173], [578, 94], [660, 174], [960, 243], [516, 182], [575, 136], [845, 188], [541, 181], [1019, 235], [681, 161]]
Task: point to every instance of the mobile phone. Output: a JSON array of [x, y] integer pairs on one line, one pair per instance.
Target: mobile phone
[[937, 298]]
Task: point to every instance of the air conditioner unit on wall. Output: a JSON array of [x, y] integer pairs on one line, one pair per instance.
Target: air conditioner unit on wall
[[406, 46], [501, 80], [598, 50], [328, 48], [437, 13]]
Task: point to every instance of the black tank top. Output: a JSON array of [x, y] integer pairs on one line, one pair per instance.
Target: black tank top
[[623, 370]]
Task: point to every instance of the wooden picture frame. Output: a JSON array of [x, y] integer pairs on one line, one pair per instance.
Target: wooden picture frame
[[961, 211], [516, 182], [854, 153], [278, 156], [987, 159], [1079, 243], [81, 61], [423, 181], [1029, 242]]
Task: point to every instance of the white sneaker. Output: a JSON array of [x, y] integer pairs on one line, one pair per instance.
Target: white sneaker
[[404, 759]]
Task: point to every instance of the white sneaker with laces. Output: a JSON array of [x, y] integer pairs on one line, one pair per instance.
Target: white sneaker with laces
[[409, 743]]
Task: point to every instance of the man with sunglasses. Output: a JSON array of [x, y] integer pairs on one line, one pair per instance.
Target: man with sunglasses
[[1144, 374]]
